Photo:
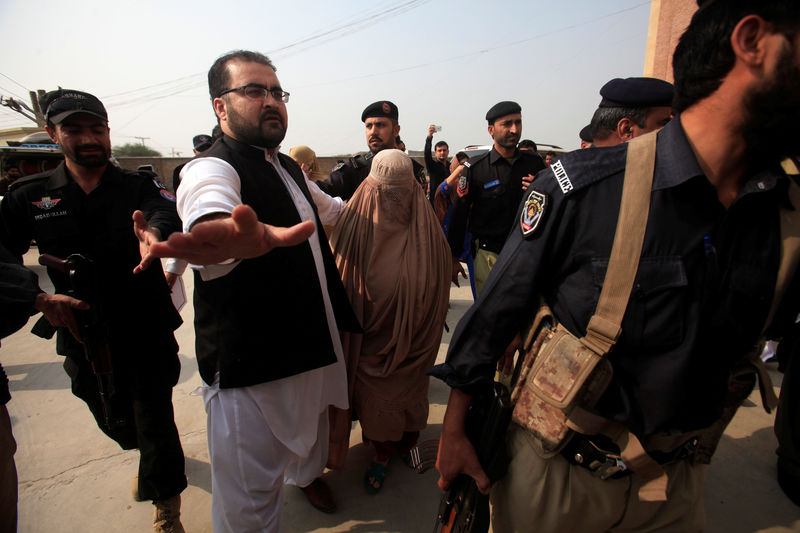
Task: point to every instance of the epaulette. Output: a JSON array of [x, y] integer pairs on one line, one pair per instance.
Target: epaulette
[[28, 179], [580, 168], [361, 160], [472, 160]]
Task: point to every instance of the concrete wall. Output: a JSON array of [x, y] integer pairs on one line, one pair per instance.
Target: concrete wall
[[668, 20]]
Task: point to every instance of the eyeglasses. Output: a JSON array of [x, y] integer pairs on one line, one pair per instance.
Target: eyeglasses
[[255, 91]]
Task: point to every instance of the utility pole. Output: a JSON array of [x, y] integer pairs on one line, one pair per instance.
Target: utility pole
[[141, 139], [33, 113]]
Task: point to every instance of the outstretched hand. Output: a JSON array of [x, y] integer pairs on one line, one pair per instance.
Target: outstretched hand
[[238, 236], [147, 236]]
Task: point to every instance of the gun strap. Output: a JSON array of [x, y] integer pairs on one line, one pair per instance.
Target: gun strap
[[604, 326]]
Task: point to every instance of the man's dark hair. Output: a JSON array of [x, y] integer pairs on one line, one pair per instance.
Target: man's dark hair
[[605, 119], [462, 156], [550, 153], [218, 73], [524, 144], [441, 143], [709, 37]]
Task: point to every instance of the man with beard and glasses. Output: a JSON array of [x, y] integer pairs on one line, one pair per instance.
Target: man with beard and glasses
[[382, 129], [112, 217], [701, 298], [489, 191], [266, 324]]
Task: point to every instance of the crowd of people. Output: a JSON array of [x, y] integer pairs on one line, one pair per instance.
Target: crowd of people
[[661, 256]]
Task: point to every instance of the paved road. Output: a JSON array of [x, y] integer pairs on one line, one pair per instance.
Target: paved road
[[74, 479]]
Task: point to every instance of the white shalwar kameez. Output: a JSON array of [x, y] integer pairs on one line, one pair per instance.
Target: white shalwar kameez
[[265, 435]]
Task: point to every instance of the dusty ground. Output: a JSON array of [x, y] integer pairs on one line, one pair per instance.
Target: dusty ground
[[74, 479]]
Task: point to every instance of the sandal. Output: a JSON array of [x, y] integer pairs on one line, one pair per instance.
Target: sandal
[[375, 475]]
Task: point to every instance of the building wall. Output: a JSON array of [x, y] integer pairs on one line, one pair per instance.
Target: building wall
[[668, 20]]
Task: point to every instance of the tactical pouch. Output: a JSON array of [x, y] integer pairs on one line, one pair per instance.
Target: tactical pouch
[[563, 373]]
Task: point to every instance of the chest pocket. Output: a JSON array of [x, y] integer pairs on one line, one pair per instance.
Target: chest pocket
[[656, 313], [492, 189]]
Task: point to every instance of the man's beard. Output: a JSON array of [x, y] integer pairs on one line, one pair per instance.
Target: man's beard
[[382, 146], [772, 115], [89, 160], [509, 141], [259, 134]]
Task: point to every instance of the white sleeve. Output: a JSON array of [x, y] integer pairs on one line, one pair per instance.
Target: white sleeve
[[173, 265], [208, 185], [328, 207]]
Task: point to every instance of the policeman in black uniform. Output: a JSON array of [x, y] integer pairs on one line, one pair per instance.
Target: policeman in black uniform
[[490, 190], [630, 107], [717, 198], [86, 206], [382, 129]]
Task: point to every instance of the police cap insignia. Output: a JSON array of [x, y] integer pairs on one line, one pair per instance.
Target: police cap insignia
[[383, 108], [532, 212]]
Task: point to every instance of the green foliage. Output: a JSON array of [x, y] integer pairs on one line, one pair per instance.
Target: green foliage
[[134, 150]]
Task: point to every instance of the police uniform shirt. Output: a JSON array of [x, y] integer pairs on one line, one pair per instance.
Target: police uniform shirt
[[489, 193], [52, 209], [345, 178], [701, 296]]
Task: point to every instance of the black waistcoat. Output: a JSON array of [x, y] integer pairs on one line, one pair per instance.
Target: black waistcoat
[[265, 320]]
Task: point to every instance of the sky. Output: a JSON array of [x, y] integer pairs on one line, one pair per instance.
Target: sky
[[443, 62]]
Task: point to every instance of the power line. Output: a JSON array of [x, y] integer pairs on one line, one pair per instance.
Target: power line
[[481, 51], [15, 81]]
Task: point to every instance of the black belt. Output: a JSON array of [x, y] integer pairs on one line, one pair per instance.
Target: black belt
[[605, 463]]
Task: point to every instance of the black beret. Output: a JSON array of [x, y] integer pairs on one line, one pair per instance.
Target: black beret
[[586, 133], [502, 109], [636, 92], [202, 142], [384, 108]]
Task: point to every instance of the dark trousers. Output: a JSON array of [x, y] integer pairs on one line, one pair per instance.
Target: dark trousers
[[143, 418]]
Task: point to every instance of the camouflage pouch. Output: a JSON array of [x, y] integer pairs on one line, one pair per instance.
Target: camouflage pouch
[[559, 372]]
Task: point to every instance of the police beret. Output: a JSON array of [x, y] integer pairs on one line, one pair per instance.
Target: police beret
[[586, 133], [502, 109], [384, 108], [202, 142], [636, 92]]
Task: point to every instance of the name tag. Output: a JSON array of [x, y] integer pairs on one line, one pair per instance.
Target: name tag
[[491, 184]]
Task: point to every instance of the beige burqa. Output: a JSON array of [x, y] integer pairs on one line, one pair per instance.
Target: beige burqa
[[395, 264]]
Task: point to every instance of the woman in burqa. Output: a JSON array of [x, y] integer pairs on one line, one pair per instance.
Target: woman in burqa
[[395, 264]]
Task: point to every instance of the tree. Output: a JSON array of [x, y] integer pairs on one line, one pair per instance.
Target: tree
[[134, 150]]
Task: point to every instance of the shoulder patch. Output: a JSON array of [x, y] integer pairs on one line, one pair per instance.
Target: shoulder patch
[[532, 212], [463, 185], [561, 176], [166, 195]]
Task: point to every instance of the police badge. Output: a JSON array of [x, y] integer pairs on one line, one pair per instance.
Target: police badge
[[532, 212], [463, 185]]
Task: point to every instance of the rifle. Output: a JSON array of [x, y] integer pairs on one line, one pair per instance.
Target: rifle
[[463, 509], [93, 328]]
